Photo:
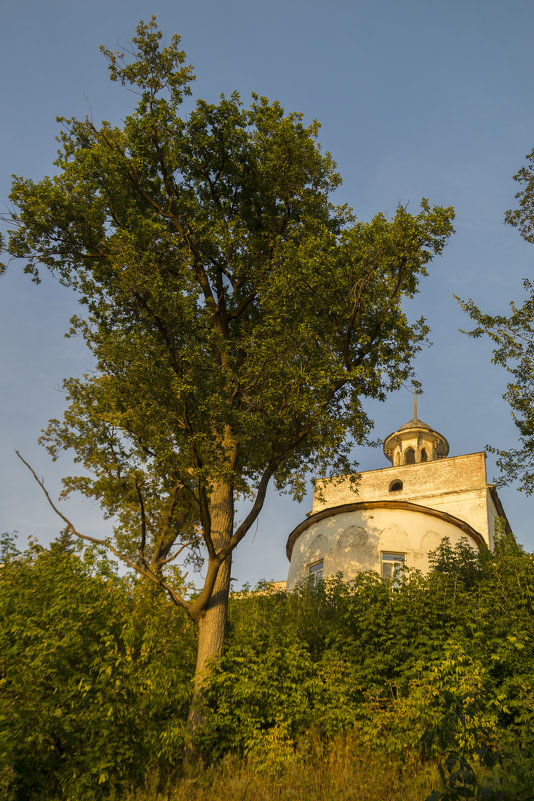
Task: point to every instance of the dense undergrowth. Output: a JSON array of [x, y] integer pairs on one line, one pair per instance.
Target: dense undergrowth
[[344, 691]]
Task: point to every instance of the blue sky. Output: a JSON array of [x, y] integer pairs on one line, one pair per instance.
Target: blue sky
[[416, 99]]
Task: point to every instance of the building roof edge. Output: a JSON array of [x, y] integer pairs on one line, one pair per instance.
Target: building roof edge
[[364, 505]]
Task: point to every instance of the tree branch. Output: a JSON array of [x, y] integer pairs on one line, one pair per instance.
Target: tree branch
[[257, 506], [180, 549], [142, 569], [143, 521]]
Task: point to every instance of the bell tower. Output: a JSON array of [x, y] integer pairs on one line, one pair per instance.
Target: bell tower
[[415, 442], [397, 515]]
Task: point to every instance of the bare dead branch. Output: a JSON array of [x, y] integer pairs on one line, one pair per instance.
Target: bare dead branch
[[139, 568], [180, 549]]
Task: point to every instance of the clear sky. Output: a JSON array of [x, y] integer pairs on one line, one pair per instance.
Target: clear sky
[[416, 99]]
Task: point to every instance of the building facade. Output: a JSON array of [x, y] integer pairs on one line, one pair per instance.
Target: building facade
[[396, 516]]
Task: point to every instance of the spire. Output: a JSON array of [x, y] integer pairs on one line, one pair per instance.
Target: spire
[[414, 401]]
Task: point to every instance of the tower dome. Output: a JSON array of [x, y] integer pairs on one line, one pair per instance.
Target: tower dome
[[415, 442]]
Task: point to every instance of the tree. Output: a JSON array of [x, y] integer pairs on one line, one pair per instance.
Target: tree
[[513, 336], [238, 319]]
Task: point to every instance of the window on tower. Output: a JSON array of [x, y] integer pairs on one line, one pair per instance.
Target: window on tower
[[395, 486], [391, 566], [315, 572], [410, 456]]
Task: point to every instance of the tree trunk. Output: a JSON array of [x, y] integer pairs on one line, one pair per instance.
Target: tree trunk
[[212, 621], [211, 631]]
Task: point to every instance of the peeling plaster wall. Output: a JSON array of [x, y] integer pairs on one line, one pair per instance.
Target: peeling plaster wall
[[351, 542], [456, 485]]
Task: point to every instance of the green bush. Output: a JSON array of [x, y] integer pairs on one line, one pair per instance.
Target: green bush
[[387, 661], [95, 680], [94, 676]]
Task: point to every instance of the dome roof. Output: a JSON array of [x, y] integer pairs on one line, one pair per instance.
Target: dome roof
[[435, 445], [415, 423]]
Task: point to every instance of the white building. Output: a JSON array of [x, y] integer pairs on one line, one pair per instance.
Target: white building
[[397, 515]]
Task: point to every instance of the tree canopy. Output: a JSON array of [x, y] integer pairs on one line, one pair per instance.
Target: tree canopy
[[238, 318], [513, 337]]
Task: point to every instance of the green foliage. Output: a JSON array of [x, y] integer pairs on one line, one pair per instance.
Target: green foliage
[[462, 562], [513, 338], [94, 677], [522, 218], [464, 730], [445, 661], [95, 681], [8, 549]]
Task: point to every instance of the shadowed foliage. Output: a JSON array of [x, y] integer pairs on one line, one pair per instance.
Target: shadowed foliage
[[96, 677]]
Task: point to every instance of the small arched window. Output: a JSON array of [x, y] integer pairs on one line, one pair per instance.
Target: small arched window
[[423, 455], [395, 486], [410, 456]]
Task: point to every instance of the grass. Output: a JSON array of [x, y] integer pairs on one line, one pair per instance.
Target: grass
[[346, 771]]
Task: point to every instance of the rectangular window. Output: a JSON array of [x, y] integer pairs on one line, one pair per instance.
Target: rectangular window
[[391, 565], [315, 572]]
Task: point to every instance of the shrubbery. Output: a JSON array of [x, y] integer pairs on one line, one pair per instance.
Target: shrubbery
[[96, 674], [95, 677]]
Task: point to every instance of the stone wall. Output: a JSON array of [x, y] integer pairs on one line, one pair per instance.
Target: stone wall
[[456, 485]]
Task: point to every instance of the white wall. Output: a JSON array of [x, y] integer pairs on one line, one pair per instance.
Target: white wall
[[456, 485], [351, 542]]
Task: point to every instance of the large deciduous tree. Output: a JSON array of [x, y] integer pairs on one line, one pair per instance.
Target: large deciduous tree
[[238, 319], [513, 337]]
